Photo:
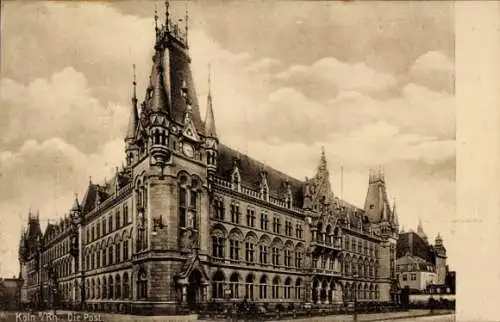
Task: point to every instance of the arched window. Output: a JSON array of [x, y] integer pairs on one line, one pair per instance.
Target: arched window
[[98, 289], [117, 252], [142, 285], [298, 258], [287, 289], [104, 257], [110, 255], [276, 287], [117, 219], [234, 281], [219, 208], [104, 288], [125, 250], [218, 285], [92, 289], [110, 287], [125, 215], [182, 206], [126, 286], [218, 241], [118, 287], [110, 223], [298, 288], [263, 287], [98, 261], [249, 286]]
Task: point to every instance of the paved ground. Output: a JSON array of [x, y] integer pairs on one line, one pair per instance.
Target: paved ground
[[413, 315]]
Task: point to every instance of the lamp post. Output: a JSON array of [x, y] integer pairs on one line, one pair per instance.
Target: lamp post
[[355, 313]]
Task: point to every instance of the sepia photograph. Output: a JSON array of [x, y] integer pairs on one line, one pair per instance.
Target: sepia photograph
[[227, 160]]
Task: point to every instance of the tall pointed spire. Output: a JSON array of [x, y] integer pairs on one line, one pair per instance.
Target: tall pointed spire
[[210, 130], [395, 218], [159, 103], [134, 117], [322, 161]]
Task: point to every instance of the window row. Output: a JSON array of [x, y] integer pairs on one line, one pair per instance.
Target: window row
[[108, 288], [113, 254], [360, 246], [60, 249], [235, 217], [277, 255], [108, 224], [251, 289]]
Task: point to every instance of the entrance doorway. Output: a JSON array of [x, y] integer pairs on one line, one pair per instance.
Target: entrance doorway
[[194, 289]]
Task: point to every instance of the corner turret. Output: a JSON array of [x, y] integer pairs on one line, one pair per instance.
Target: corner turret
[[211, 139]]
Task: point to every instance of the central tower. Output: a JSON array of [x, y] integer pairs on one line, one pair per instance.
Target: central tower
[[170, 153]]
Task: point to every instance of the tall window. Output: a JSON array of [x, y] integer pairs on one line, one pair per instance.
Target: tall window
[[117, 219], [125, 250], [110, 223], [234, 249], [104, 257], [194, 208], [219, 208], [250, 217], [126, 286], [142, 285], [118, 287], [263, 221], [218, 285], [275, 289], [218, 246], [98, 261], [93, 232], [98, 229], [298, 259], [235, 213], [288, 258], [104, 231], [263, 254], [110, 255], [117, 253], [182, 206], [276, 256], [276, 225], [125, 215], [298, 231], [249, 246], [110, 287], [263, 287]]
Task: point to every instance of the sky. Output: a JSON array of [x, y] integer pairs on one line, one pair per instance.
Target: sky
[[371, 82]]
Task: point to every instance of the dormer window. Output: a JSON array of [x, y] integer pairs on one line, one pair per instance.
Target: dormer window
[[236, 179], [265, 193]]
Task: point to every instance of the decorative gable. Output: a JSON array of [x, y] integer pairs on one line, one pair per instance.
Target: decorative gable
[[190, 132]]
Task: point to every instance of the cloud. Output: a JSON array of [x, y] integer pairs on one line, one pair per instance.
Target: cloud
[[434, 70], [62, 106], [44, 176], [329, 76]]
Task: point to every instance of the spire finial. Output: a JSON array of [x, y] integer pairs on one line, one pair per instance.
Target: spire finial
[[322, 164], [134, 80], [90, 180], [187, 23], [209, 80], [156, 18], [167, 14]]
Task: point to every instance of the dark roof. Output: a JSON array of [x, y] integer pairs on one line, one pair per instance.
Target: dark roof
[[250, 171], [411, 242]]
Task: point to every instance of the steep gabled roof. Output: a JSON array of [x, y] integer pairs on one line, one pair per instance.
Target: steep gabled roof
[[250, 172], [412, 243]]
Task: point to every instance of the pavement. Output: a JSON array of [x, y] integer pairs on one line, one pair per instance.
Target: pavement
[[67, 316]]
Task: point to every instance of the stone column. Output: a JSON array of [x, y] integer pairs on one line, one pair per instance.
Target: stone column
[[318, 297]]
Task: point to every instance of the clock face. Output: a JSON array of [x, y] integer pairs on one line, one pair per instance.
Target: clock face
[[188, 150]]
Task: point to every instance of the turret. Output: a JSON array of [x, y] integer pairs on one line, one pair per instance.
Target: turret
[[420, 231], [440, 252], [131, 148], [211, 139]]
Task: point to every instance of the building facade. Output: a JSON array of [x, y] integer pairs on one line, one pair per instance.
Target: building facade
[[190, 220], [420, 265]]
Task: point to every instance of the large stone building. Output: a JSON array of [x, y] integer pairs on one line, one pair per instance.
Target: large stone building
[[420, 265], [190, 220]]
